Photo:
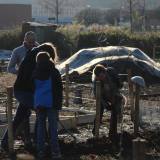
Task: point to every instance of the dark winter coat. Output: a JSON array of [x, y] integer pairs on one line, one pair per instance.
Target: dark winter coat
[[44, 71], [25, 83], [24, 78], [110, 86]]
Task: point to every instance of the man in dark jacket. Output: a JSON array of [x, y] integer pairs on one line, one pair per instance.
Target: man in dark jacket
[[110, 95]]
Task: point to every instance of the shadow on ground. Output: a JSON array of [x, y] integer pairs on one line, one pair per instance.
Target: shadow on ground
[[91, 149]]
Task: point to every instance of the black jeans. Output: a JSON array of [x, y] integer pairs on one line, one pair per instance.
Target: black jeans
[[101, 115], [113, 119], [22, 116]]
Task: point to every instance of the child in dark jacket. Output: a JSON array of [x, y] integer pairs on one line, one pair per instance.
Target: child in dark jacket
[[47, 102]]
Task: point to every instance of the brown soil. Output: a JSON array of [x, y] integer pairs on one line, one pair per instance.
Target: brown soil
[[86, 147]]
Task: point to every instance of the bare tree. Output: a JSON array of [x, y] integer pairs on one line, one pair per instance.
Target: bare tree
[[136, 11], [53, 7], [57, 7]]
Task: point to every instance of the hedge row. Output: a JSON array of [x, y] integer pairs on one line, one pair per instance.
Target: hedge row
[[70, 39], [87, 38], [10, 39]]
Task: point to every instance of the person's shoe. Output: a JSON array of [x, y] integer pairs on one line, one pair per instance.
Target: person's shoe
[[55, 156]]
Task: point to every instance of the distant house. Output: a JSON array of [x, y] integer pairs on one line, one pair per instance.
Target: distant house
[[14, 14]]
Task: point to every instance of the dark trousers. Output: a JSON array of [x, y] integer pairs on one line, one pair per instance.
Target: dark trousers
[[52, 116], [101, 116], [113, 123], [113, 119], [22, 116]]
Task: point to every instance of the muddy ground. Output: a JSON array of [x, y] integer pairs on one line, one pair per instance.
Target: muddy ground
[[86, 147]]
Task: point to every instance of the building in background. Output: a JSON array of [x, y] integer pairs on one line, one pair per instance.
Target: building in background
[[45, 10], [12, 15], [65, 10]]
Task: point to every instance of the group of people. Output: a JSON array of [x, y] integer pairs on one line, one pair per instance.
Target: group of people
[[38, 87]]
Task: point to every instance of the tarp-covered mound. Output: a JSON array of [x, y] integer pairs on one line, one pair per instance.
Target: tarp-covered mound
[[82, 63]]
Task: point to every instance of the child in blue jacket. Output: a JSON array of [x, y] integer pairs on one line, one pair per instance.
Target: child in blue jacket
[[47, 102]]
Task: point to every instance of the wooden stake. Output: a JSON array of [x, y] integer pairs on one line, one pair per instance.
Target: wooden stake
[[131, 97], [10, 127], [67, 86], [98, 106], [139, 149], [78, 95], [136, 118]]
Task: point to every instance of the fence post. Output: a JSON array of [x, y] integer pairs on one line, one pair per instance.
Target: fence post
[[9, 110], [67, 85], [131, 98], [136, 117], [98, 106], [78, 95], [139, 149]]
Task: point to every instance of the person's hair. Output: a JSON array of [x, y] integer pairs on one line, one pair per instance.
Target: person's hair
[[99, 69], [49, 48], [42, 57], [29, 34]]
